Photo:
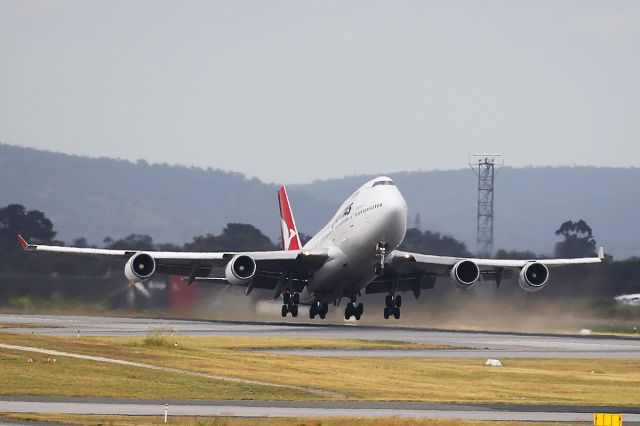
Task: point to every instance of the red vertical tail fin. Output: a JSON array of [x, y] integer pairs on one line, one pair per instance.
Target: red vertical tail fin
[[290, 239]]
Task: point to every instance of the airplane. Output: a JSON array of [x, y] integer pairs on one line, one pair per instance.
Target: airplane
[[356, 252], [628, 299]]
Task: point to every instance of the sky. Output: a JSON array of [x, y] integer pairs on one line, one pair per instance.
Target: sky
[[293, 91]]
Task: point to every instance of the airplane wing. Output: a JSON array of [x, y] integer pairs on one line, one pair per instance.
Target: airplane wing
[[415, 271], [271, 266]]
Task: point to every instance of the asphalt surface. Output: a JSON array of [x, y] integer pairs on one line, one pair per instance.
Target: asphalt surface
[[106, 406], [475, 344]]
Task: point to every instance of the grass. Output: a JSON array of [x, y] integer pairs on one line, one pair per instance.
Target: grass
[[75, 377], [524, 381], [622, 329], [77, 419]]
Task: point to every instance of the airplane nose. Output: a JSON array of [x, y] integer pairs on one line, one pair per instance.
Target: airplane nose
[[396, 215], [397, 208]]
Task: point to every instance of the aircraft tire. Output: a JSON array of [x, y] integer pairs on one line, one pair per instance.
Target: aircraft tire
[[285, 310], [296, 298], [294, 311], [286, 298], [398, 300], [348, 311], [396, 313], [388, 301], [386, 313], [322, 315], [359, 310]]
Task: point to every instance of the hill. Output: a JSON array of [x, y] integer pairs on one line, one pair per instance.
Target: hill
[[95, 198]]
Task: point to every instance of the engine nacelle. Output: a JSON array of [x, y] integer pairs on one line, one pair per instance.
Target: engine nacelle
[[240, 270], [533, 276], [465, 274], [140, 267]]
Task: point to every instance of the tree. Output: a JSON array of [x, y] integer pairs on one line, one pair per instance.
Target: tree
[[433, 242], [32, 224], [514, 254], [234, 237], [133, 242], [578, 240]]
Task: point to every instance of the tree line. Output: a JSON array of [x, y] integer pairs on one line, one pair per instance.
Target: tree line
[[577, 240]]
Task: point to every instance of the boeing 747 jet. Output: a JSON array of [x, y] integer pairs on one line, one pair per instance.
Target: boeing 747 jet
[[355, 253]]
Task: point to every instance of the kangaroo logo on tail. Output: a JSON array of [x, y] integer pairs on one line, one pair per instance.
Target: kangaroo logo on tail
[[290, 239]]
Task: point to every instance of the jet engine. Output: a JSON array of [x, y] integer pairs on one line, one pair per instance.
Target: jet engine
[[140, 267], [533, 276], [465, 274], [240, 270]]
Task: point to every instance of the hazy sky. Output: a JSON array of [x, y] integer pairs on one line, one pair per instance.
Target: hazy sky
[[291, 91]]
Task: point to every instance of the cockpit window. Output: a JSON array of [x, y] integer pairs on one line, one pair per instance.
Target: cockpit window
[[382, 182]]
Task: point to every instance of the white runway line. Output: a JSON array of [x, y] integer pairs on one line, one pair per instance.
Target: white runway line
[[319, 392]]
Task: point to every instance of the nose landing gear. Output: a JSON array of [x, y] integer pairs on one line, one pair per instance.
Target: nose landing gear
[[381, 252]]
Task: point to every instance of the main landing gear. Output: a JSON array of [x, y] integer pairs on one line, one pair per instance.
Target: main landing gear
[[353, 310], [319, 309], [290, 304], [392, 307], [381, 252]]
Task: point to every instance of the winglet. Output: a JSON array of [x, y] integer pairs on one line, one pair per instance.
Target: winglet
[[601, 253], [23, 243], [290, 239]]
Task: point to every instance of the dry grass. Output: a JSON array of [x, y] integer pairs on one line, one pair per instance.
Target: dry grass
[[87, 420], [552, 381], [76, 377]]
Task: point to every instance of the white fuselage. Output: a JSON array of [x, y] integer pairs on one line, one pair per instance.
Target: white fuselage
[[629, 299], [370, 215]]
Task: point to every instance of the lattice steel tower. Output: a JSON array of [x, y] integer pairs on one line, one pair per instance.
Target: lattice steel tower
[[484, 166]]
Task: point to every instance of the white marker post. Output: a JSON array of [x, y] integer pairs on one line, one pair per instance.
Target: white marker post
[[78, 333], [166, 411]]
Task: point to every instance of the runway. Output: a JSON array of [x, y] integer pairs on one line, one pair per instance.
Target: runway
[[105, 406], [468, 344]]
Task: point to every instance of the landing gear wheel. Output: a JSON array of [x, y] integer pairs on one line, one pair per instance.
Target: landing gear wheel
[[286, 298], [396, 313], [350, 311], [398, 300], [388, 301], [386, 313], [359, 310], [313, 310], [294, 310], [285, 310], [296, 298], [322, 309]]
